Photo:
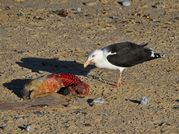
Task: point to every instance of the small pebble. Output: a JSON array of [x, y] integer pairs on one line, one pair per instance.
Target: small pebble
[[144, 100]]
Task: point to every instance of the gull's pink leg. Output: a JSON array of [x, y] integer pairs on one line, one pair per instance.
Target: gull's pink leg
[[119, 82]]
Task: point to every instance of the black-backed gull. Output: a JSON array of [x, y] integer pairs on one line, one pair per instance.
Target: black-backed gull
[[120, 56]]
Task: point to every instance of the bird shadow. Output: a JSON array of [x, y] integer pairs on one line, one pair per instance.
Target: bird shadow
[[53, 65]]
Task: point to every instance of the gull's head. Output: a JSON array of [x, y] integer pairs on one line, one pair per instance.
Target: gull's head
[[94, 57]]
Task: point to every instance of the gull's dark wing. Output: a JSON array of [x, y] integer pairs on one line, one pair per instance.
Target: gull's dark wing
[[127, 54]]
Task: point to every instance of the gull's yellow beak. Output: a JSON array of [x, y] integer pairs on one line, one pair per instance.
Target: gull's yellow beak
[[86, 63]]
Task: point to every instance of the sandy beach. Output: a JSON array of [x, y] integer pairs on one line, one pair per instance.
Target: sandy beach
[[39, 37]]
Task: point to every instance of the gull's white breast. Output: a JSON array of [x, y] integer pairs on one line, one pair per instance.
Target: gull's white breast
[[104, 63]]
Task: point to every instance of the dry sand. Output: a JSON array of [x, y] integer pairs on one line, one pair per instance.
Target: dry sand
[[36, 40]]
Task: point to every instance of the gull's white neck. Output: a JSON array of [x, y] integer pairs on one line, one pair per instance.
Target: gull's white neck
[[102, 62]]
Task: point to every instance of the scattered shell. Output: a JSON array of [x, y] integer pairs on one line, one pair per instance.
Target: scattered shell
[[20, 117], [176, 107], [7, 7], [176, 18], [80, 112], [144, 100], [104, 1], [98, 100], [3, 126], [114, 18], [37, 18], [19, 14], [39, 113], [125, 3], [78, 9], [62, 12], [89, 3], [156, 5], [87, 125], [19, 0], [27, 128]]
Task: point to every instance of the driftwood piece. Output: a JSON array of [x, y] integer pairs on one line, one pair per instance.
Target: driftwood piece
[[49, 100]]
